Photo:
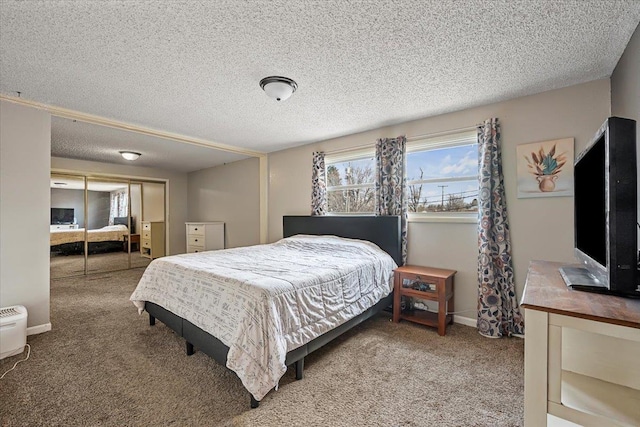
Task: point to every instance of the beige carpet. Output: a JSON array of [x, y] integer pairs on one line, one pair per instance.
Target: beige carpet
[[102, 364], [73, 265]]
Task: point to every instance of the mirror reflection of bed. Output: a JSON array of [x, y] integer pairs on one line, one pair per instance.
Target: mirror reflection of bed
[[107, 201], [110, 222]]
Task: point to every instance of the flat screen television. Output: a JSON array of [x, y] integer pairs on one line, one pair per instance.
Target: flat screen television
[[62, 215], [605, 212]]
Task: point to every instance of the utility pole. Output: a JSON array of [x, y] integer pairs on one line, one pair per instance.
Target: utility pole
[[442, 202]]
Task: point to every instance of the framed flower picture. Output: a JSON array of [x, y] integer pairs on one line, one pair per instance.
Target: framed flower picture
[[545, 169]]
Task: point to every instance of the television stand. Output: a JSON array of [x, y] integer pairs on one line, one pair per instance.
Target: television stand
[[580, 354], [54, 227]]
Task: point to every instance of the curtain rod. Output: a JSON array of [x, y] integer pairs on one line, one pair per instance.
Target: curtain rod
[[409, 139]]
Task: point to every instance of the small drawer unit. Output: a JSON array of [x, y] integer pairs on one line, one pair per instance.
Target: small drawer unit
[[152, 239], [425, 283], [205, 236]]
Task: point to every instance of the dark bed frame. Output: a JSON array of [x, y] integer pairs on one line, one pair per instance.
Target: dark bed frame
[[381, 230]]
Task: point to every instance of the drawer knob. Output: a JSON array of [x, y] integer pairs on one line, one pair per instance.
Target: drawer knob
[[196, 240], [196, 228], [197, 250]]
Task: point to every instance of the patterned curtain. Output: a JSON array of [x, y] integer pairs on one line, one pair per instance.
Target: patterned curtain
[[318, 185], [498, 311], [119, 205], [391, 182]]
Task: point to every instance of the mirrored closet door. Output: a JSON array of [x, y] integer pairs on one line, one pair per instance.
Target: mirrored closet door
[[108, 225], [101, 224], [67, 229], [137, 260]]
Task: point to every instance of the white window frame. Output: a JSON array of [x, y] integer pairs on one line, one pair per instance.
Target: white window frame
[[347, 156], [445, 141]]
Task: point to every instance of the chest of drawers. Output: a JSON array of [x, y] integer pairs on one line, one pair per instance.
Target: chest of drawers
[[152, 239], [205, 236]]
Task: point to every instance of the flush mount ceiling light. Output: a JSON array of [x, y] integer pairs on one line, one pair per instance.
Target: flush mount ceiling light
[[278, 88], [130, 155]]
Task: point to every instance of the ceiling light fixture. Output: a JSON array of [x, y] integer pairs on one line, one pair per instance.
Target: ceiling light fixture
[[278, 88], [130, 155]]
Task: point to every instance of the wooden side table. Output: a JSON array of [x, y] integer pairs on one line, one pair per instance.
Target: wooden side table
[[432, 284], [135, 240]]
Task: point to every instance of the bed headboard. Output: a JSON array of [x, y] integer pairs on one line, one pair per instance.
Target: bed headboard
[[384, 231], [123, 220]]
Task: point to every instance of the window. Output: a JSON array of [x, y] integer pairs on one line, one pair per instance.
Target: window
[[442, 177], [350, 182]]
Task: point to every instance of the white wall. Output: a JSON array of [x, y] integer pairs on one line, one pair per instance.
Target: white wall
[[541, 228], [625, 92], [153, 202], [136, 206], [229, 193], [25, 147], [177, 191]]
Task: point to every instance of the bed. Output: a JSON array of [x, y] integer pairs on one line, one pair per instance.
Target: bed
[[106, 239], [257, 310]]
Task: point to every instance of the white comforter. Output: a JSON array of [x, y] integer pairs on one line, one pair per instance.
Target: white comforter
[[265, 300], [104, 234]]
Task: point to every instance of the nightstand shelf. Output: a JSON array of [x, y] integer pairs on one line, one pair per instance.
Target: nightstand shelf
[[426, 283], [427, 318]]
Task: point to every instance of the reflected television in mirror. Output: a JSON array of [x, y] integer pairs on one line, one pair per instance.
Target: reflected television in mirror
[[62, 216]]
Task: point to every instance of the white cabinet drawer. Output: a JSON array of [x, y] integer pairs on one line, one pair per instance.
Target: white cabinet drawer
[[146, 243], [195, 241], [146, 234], [204, 236], [146, 226], [195, 229]]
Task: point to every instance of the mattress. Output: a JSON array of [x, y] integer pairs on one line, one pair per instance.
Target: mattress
[[263, 301], [110, 233]]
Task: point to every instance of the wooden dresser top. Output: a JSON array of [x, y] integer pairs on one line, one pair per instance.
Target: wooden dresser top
[[545, 290]]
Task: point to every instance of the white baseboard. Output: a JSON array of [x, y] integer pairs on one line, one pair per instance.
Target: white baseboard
[[473, 323], [33, 330], [465, 321]]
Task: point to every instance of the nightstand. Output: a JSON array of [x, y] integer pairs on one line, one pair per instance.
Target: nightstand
[[426, 283], [135, 242]]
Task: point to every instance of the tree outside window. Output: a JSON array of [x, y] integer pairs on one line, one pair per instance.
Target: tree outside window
[[350, 187]]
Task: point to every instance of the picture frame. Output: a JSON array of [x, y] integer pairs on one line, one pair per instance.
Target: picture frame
[[545, 168]]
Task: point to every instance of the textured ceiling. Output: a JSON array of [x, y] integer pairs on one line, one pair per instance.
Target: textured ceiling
[[193, 67], [78, 140]]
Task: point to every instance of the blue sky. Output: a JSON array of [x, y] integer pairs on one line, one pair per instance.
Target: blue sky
[[445, 162], [455, 161]]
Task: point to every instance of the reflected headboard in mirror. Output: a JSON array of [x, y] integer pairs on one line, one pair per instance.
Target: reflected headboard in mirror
[[123, 220]]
